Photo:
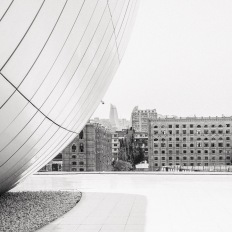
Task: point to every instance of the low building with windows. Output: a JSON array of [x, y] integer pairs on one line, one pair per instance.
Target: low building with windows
[[91, 150], [189, 141]]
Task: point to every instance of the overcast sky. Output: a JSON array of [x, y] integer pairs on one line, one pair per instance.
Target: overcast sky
[[178, 60]]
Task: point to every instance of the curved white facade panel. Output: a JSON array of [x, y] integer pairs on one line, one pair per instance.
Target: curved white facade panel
[[57, 59]]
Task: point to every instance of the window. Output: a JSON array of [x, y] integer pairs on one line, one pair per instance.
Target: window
[[191, 132], [220, 144], [81, 163], [191, 158], [170, 139], [156, 165], [206, 164], [177, 152], [206, 144], [170, 158], [191, 145], [169, 126], [184, 151], [213, 131], [220, 131], [163, 139], [184, 158], [81, 135], [73, 156], [155, 158], [191, 151], [155, 132], [227, 125], [205, 126], [177, 132], [163, 158], [227, 131], [170, 164], [199, 151], [163, 152], [163, 144], [191, 125], [198, 126], [155, 126], [156, 152], [184, 126], [198, 139], [177, 145], [191, 139], [81, 169], [206, 131], [191, 164], [227, 138], [184, 132], [227, 145], [74, 169], [199, 158], [177, 158], [170, 145], [177, 139], [155, 139], [212, 125], [177, 126], [198, 132], [220, 158], [170, 132], [74, 163], [206, 157], [74, 148], [184, 138], [81, 147], [212, 144], [170, 152], [198, 144], [155, 144], [213, 157], [184, 145], [206, 151], [228, 157], [220, 126], [213, 151], [220, 151]]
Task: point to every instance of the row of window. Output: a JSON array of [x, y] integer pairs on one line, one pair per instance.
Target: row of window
[[198, 144], [81, 147], [191, 132], [191, 151], [191, 126], [192, 158], [80, 163], [185, 164], [191, 139]]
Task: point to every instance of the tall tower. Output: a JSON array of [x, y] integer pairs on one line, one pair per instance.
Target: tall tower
[[114, 116]]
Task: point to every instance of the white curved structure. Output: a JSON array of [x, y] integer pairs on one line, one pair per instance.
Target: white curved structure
[[57, 59]]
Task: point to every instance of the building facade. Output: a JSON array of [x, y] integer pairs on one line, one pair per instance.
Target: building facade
[[90, 151], [139, 119], [190, 141]]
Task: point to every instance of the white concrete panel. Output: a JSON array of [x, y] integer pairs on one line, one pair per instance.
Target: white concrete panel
[[15, 25], [58, 41], [34, 41], [6, 91]]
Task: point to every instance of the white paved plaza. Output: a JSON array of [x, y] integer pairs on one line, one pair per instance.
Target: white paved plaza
[[141, 202]]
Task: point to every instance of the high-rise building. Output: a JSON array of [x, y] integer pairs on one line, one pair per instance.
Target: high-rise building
[[114, 117], [90, 151], [190, 141], [56, 63], [139, 119]]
